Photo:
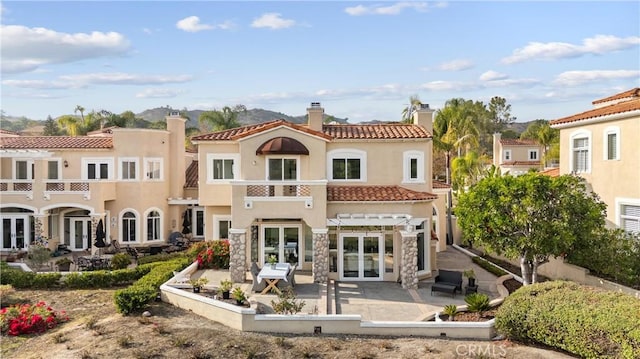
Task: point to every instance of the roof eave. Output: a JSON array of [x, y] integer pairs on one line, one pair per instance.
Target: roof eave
[[591, 120]]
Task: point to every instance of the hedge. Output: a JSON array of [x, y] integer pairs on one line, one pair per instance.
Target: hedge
[[485, 264], [145, 290], [585, 321], [162, 257]]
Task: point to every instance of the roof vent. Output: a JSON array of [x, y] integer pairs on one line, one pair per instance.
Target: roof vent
[[315, 104]]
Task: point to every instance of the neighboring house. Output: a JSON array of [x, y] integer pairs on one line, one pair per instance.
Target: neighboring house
[[59, 187], [349, 202], [601, 145], [516, 156]]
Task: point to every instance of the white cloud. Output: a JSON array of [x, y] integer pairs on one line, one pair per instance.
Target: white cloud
[[39, 84], [446, 86], [272, 20], [158, 93], [119, 78], [574, 78], [456, 65], [512, 83], [192, 24], [394, 9], [597, 45], [492, 76], [25, 49]]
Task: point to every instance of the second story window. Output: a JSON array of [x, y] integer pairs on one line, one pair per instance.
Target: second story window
[[222, 167], [347, 165], [507, 155], [97, 168], [23, 170], [346, 169], [282, 169], [128, 169], [413, 166], [612, 143], [533, 155], [580, 155], [153, 169], [53, 170]]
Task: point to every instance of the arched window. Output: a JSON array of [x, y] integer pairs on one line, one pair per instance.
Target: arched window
[[153, 226], [129, 227]]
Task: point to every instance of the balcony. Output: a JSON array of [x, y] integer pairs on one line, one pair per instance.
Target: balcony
[[63, 190], [288, 196]]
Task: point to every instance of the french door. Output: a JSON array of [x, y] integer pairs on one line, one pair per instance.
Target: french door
[[361, 256], [79, 229], [281, 241], [15, 232]]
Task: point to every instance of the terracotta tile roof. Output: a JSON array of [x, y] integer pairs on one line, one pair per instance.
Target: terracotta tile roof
[[191, 175], [375, 194], [518, 142], [634, 92], [54, 142], [440, 184], [7, 132], [620, 107], [521, 163], [244, 131], [551, 172], [356, 132], [376, 131]]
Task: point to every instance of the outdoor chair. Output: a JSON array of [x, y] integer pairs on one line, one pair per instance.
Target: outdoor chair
[[132, 252], [290, 282], [258, 286]]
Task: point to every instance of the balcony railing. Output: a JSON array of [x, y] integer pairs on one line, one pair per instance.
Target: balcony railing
[[278, 188], [87, 188]]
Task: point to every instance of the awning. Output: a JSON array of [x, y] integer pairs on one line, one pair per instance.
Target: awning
[[282, 146], [359, 219]]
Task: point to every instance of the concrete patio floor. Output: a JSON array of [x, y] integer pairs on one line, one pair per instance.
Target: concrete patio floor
[[374, 301]]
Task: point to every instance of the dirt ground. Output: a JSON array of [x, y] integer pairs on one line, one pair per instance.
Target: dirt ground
[[96, 330]]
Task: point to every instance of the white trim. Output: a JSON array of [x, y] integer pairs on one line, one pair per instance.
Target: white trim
[[30, 164], [222, 156], [146, 161], [59, 161], [407, 156], [529, 152], [361, 265], [136, 174], [576, 135], [216, 225], [619, 202], [137, 226], [374, 221], [611, 130], [281, 243], [282, 157], [86, 161], [146, 226], [504, 155], [263, 132], [347, 153], [587, 121]]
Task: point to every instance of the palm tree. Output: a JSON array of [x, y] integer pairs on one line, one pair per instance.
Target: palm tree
[[547, 137], [467, 170], [81, 110], [224, 119], [70, 124], [407, 112]]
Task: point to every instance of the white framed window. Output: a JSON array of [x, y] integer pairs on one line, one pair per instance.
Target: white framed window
[[222, 167], [97, 168], [611, 143], [128, 168], [533, 155], [54, 170], [507, 155], [221, 226], [23, 169], [347, 165], [283, 168], [153, 169], [129, 226], [413, 170], [628, 214], [154, 225], [580, 154]]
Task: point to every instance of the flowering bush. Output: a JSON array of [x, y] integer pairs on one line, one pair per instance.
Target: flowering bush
[[215, 255], [30, 319]]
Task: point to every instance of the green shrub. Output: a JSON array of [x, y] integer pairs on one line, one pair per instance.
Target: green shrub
[[162, 257], [120, 261], [287, 303], [585, 321], [477, 302], [45, 280], [17, 278], [485, 264]]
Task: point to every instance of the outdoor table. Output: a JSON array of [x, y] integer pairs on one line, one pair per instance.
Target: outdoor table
[[273, 275]]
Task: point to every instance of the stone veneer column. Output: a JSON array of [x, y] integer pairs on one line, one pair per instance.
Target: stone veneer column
[[237, 255], [92, 234], [409, 260], [38, 230], [320, 255]]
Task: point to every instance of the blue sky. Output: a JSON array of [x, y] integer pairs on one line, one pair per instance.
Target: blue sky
[[362, 60]]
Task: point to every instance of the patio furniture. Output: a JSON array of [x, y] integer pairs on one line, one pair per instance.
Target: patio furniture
[[443, 287], [132, 252], [470, 289], [272, 275], [258, 285], [448, 282], [290, 282]]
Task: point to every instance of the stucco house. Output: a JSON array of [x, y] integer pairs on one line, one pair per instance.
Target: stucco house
[[516, 156], [601, 145]]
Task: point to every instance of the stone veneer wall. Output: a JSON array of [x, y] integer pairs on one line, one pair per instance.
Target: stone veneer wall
[[237, 256], [320, 256], [409, 263]]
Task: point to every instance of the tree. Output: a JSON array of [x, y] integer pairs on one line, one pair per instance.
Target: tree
[[530, 217], [413, 106], [500, 114], [466, 171], [51, 127], [541, 131], [81, 110], [70, 124], [222, 119]]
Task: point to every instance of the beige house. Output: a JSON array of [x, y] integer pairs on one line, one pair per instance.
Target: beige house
[[516, 156], [350, 202], [601, 145]]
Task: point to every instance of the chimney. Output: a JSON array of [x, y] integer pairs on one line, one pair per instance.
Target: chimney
[[315, 114], [176, 161], [497, 149], [423, 116]]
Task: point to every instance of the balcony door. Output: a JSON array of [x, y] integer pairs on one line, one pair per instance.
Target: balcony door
[[15, 232], [360, 256]]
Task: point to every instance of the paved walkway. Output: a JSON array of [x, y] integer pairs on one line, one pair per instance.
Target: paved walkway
[[376, 301]]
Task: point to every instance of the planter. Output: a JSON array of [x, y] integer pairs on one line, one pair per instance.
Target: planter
[[64, 267], [239, 302], [196, 289], [472, 282], [225, 295]]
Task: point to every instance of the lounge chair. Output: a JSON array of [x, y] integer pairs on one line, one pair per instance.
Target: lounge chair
[[291, 281], [258, 286]]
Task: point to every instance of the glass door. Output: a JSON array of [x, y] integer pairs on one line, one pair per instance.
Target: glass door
[[360, 256], [79, 230], [281, 241], [15, 232]]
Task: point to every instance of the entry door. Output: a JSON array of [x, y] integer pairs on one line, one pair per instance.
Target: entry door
[[281, 241], [79, 232], [360, 256], [15, 233]]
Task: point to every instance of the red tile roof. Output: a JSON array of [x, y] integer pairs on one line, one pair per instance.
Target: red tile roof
[[440, 185], [7, 132], [522, 163], [55, 142], [517, 142], [356, 132], [375, 194], [191, 175], [552, 172], [634, 92], [620, 107]]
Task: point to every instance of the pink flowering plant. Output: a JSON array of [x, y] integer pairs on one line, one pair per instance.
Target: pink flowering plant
[[214, 256], [30, 319]]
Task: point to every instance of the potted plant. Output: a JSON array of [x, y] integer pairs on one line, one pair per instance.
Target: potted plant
[[238, 295], [64, 264], [198, 284], [472, 277], [272, 260], [225, 288], [450, 310]]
